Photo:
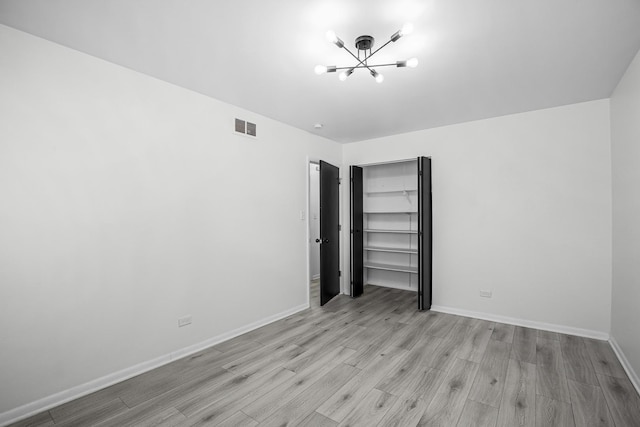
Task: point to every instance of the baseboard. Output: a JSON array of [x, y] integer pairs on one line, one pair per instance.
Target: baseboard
[[569, 330], [631, 373], [46, 403]]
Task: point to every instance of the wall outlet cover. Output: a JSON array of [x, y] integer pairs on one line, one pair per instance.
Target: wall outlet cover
[[184, 321]]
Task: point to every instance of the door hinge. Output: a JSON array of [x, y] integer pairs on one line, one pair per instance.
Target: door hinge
[[339, 273], [339, 181], [339, 227], [420, 173]]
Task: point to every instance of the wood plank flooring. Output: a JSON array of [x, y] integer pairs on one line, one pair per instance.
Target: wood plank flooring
[[373, 361]]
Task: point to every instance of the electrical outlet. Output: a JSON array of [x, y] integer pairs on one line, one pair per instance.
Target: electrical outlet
[[485, 293], [184, 321]]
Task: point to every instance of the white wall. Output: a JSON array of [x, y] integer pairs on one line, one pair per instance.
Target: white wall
[[126, 203], [625, 147], [314, 220], [521, 206]]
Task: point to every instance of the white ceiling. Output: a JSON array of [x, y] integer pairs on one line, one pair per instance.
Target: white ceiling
[[478, 59]]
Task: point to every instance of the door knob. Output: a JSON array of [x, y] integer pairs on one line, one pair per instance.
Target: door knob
[[317, 240], [322, 240]]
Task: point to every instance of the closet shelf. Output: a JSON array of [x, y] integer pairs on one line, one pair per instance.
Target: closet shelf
[[391, 231], [391, 267], [391, 212], [390, 192], [392, 250]]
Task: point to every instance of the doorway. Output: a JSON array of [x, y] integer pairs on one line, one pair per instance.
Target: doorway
[[314, 233]]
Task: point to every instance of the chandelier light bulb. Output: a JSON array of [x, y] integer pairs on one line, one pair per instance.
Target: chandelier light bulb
[[406, 29], [412, 63], [320, 69], [331, 36], [376, 75], [346, 73]]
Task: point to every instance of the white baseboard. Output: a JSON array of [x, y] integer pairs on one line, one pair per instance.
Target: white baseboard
[[631, 373], [569, 330], [46, 403]]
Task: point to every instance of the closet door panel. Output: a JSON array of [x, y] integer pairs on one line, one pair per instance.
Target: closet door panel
[[357, 227], [425, 241]]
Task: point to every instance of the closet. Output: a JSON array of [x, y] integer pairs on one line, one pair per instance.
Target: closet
[[391, 227]]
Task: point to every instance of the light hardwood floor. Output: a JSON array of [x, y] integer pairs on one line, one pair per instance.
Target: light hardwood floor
[[314, 293], [373, 361]]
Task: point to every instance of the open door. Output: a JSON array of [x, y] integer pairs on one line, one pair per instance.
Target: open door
[[357, 247], [329, 232], [424, 233]]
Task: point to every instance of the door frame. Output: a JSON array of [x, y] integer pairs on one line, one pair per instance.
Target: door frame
[[311, 239], [429, 242]]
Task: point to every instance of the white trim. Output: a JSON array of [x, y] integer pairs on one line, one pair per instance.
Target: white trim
[[307, 223], [569, 330], [46, 403], [631, 373]]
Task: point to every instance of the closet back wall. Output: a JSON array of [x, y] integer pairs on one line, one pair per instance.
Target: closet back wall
[[522, 207], [126, 203]]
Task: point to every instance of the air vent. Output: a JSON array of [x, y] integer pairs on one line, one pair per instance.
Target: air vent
[[251, 129], [246, 128], [240, 126]]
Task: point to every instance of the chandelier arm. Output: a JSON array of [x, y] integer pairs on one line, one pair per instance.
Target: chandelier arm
[[395, 64], [369, 67], [378, 49], [362, 62]]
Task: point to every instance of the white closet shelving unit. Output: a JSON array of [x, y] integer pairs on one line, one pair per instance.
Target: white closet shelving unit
[[390, 221]]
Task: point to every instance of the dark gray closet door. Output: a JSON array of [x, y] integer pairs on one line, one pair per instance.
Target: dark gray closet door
[[329, 232], [425, 242], [357, 247]]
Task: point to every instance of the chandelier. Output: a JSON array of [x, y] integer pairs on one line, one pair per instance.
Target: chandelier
[[364, 45]]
